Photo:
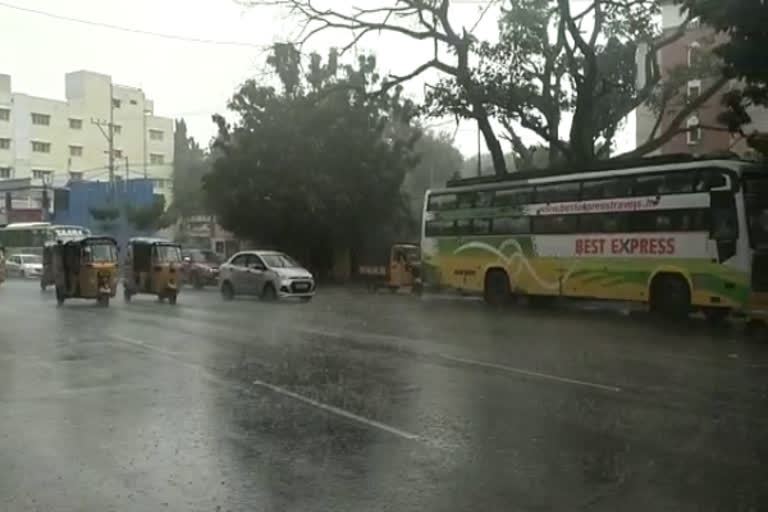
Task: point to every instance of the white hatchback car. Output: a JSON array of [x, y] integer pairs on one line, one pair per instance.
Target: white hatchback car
[[24, 265], [270, 275]]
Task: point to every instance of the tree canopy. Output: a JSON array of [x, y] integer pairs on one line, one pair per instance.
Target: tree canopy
[[317, 164], [557, 64], [190, 164]]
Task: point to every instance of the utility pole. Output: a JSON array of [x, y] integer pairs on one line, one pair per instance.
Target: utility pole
[[109, 134]]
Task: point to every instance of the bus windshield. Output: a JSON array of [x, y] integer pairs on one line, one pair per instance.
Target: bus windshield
[[756, 202]]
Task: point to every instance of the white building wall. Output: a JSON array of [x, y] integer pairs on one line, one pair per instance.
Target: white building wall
[[88, 99]]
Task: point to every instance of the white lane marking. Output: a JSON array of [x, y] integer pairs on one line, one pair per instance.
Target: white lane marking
[[276, 389], [339, 412], [142, 344], [401, 344], [530, 373]]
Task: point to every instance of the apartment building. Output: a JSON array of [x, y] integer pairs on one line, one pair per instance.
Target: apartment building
[[56, 141], [698, 39]]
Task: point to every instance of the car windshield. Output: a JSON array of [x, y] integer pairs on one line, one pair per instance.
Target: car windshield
[[32, 259], [279, 261], [167, 254], [99, 253]]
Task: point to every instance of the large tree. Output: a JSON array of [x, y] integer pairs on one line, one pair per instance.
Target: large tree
[[556, 61], [438, 161], [190, 164], [316, 165]]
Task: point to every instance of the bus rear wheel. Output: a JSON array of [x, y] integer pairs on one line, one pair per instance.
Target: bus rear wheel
[[497, 291], [670, 297]]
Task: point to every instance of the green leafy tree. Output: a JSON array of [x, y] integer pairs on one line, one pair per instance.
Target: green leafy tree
[[438, 161], [317, 165], [190, 165], [149, 218], [555, 61], [552, 63]]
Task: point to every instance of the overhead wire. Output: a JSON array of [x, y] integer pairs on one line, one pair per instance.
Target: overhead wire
[[131, 30]]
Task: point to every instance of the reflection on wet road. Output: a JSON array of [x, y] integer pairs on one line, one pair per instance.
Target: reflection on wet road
[[372, 402]]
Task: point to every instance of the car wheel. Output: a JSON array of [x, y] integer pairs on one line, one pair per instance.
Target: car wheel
[[197, 282], [227, 291], [269, 294]]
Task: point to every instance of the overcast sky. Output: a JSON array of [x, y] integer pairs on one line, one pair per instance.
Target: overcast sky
[[185, 79]]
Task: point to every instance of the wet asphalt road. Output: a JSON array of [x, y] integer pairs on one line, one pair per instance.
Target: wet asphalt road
[[360, 402]]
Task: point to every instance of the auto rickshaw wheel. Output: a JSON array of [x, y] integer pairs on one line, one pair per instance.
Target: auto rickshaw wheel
[[59, 296], [197, 282], [103, 301], [172, 299], [126, 295], [43, 286]]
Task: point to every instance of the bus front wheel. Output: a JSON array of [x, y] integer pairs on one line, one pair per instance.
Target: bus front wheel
[[670, 296], [497, 291]]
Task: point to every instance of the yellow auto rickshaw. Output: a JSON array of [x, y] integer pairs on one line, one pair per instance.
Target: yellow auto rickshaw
[[152, 266], [47, 277], [401, 269], [85, 268]]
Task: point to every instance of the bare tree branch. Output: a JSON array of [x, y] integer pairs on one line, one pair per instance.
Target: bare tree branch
[[674, 125]]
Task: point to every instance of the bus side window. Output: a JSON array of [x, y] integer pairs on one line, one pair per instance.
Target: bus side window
[[709, 179], [513, 196], [466, 200], [441, 202], [558, 192]]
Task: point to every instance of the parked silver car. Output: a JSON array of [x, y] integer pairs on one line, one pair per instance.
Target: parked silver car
[[268, 274], [24, 265]]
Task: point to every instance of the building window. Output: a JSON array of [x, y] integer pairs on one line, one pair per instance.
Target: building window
[[41, 147], [116, 103], [75, 176], [5, 173], [42, 119], [694, 130], [693, 53], [42, 175], [156, 159], [5, 143], [75, 124], [118, 153], [158, 184], [694, 89], [5, 114], [133, 102], [117, 129], [156, 135], [75, 150]]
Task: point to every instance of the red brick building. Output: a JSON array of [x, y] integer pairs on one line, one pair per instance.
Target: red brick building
[[696, 43]]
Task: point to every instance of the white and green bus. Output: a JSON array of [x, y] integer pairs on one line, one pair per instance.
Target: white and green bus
[[678, 233], [29, 237]]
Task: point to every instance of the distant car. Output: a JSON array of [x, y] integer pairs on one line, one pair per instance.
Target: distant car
[[200, 267], [270, 275], [24, 265]]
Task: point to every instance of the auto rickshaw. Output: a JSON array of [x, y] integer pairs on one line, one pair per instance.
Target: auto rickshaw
[[47, 277], [401, 270], [152, 266], [85, 268]]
